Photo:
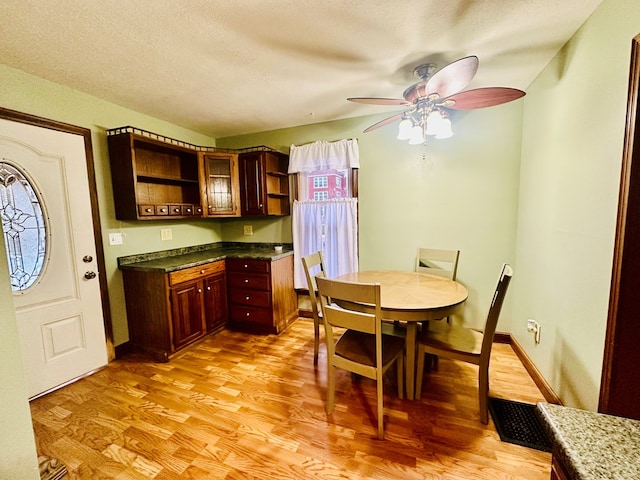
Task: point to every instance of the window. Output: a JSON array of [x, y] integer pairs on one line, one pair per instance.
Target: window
[[325, 213], [321, 195], [23, 225], [319, 182]]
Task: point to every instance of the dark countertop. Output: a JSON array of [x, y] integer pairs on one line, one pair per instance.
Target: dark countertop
[[180, 258], [593, 446]]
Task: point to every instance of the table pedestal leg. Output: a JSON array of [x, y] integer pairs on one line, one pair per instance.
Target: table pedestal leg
[[410, 365]]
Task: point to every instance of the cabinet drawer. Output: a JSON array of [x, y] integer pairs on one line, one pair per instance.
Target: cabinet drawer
[[193, 273], [146, 210], [244, 265], [253, 315], [252, 281], [252, 298]]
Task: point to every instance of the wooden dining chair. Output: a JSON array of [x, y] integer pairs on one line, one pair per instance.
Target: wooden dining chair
[[362, 348], [443, 263], [466, 344], [313, 265]]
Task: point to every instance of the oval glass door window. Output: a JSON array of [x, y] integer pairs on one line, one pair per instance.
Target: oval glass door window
[[23, 225]]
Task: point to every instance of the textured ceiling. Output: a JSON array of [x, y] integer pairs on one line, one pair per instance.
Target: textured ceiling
[[228, 67]]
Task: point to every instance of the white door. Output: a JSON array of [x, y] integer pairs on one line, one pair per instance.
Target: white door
[[59, 316]]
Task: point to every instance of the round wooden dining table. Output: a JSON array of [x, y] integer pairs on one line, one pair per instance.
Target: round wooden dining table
[[410, 297]]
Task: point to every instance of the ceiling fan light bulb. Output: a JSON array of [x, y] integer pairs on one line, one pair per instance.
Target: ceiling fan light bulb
[[404, 129], [444, 130], [417, 137], [434, 122]]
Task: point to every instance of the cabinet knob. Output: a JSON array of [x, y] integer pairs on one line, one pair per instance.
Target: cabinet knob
[[202, 272], [148, 210], [246, 280], [188, 210], [209, 289], [163, 210], [247, 297], [199, 290], [246, 266], [248, 314]]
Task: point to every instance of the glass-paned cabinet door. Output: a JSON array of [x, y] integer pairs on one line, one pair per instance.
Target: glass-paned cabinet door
[[221, 184], [23, 225]]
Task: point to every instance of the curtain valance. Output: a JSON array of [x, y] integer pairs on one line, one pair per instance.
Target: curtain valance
[[323, 155]]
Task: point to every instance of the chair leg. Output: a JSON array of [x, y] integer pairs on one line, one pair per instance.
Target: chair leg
[[419, 372], [400, 372], [331, 387], [379, 388], [483, 393], [316, 340]]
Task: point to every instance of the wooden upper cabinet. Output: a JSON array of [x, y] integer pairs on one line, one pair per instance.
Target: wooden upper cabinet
[[160, 178], [220, 186], [264, 183], [152, 179]]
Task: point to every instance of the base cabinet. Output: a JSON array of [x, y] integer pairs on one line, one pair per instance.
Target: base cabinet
[[261, 294], [168, 311]]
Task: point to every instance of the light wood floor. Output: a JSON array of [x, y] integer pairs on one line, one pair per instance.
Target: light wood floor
[[239, 406]]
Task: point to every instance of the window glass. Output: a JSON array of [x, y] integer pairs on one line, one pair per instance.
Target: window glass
[[324, 184], [23, 225]]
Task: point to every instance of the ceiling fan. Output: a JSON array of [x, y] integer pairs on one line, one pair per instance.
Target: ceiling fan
[[435, 93]]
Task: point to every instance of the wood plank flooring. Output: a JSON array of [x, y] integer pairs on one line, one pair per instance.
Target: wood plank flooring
[[240, 406]]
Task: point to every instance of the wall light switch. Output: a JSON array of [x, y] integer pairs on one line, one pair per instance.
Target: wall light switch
[[248, 229], [115, 238], [166, 234]]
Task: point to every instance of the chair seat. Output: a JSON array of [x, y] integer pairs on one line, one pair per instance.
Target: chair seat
[[361, 347], [451, 338]]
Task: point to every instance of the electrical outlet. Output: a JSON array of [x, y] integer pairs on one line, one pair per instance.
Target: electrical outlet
[[115, 238], [248, 229], [535, 328], [166, 234]]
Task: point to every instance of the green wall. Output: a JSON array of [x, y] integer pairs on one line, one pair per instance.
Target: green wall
[[573, 133]]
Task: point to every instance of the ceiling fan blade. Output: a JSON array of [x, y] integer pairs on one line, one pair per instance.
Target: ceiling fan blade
[[483, 97], [379, 101], [452, 78], [384, 122]]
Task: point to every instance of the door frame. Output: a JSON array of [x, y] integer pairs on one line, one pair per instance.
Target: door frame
[[21, 117], [619, 386]]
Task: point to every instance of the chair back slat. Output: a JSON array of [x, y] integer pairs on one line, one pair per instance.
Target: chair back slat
[[443, 263]]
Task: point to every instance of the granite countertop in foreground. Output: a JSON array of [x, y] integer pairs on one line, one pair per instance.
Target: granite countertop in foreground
[[180, 258], [593, 446]]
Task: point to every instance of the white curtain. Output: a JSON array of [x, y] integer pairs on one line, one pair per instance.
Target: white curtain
[[330, 226], [327, 225]]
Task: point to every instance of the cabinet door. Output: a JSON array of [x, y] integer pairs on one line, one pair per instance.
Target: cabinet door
[[215, 301], [187, 313], [221, 184], [252, 186]]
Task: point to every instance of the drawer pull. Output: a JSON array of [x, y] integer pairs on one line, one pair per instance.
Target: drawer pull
[[163, 210], [148, 210]]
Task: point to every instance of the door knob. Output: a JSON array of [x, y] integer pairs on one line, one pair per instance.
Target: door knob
[[87, 259], [90, 275]]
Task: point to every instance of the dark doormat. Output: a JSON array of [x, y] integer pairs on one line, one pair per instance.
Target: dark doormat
[[518, 423]]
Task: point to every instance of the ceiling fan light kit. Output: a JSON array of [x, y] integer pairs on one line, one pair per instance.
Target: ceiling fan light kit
[[430, 99]]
